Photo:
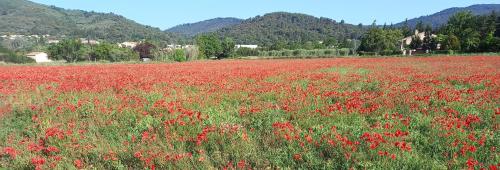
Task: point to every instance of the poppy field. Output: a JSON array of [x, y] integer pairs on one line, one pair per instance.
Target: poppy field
[[348, 113]]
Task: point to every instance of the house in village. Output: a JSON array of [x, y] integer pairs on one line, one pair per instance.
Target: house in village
[[39, 57], [52, 41], [407, 41], [174, 46], [188, 46], [247, 46], [89, 41], [128, 44]]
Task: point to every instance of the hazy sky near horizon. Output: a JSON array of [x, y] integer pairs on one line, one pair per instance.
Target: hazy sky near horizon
[[167, 13]]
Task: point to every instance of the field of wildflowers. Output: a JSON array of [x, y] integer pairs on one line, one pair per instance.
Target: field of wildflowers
[[371, 113]]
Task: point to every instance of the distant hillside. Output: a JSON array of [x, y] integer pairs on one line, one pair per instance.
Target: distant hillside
[[204, 26], [26, 17], [441, 18], [288, 27]]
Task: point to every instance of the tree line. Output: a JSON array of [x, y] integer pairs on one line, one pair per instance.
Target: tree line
[[464, 32], [73, 50]]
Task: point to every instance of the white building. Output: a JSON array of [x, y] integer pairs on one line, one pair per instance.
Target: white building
[[52, 41], [174, 46], [187, 46], [128, 44], [39, 57], [407, 41], [247, 46], [88, 41]]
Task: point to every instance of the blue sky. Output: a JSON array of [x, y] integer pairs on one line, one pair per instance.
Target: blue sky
[[167, 13]]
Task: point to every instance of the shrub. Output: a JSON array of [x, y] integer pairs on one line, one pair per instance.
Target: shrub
[[388, 52], [179, 55], [286, 53], [297, 52], [243, 52], [441, 51], [364, 53], [11, 57], [344, 51], [329, 52]]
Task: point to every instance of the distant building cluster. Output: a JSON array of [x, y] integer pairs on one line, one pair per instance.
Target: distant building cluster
[[89, 41], [43, 57], [13, 37], [247, 46], [49, 39]]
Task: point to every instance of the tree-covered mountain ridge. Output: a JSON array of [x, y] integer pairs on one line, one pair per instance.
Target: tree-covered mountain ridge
[[290, 28], [27, 18], [211, 25], [440, 18]]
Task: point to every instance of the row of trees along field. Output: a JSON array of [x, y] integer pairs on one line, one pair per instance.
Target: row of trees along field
[[464, 32], [72, 50], [210, 45], [213, 46]]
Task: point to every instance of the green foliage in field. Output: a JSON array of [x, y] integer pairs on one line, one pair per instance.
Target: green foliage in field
[[9, 56], [464, 32], [470, 33], [71, 50], [210, 45], [381, 40], [179, 55], [243, 52], [306, 53], [112, 53], [336, 117]]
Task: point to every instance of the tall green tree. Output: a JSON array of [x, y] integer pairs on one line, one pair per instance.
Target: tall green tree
[[416, 42], [420, 26], [497, 32], [113, 53], [228, 46], [451, 42], [70, 50], [380, 40], [491, 23], [487, 28], [463, 26], [101, 52], [331, 42], [406, 29], [209, 45], [427, 41]]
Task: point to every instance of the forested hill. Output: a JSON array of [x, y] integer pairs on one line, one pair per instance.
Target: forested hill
[[26, 17], [440, 18], [288, 27], [210, 25]]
